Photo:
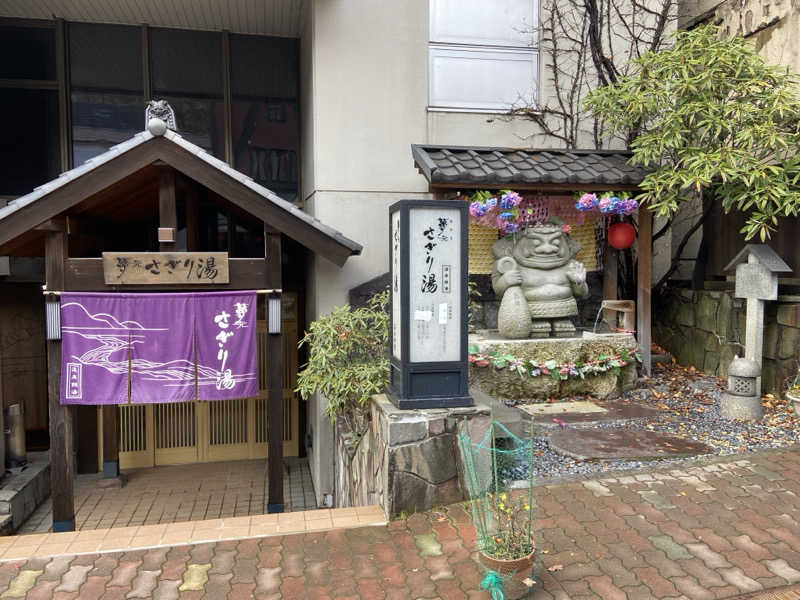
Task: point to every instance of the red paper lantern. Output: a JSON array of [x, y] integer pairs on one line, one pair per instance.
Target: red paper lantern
[[621, 235]]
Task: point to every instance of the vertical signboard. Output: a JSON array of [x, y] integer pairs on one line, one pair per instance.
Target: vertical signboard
[[428, 254]]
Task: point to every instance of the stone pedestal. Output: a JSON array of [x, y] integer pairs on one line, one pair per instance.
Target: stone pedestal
[[507, 384], [408, 460], [740, 407]]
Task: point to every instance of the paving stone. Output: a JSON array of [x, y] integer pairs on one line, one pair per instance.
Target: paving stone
[[74, 578], [21, 584], [143, 584], [622, 444], [782, 569], [673, 550], [737, 578], [708, 556]]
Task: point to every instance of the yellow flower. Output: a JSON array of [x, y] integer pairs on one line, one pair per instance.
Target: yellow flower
[[503, 496], [501, 506], [527, 507]]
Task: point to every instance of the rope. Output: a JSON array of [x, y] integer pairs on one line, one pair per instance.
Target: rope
[[493, 584]]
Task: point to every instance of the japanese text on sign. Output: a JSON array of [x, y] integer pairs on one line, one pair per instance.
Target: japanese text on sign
[[122, 268], [225, 380], [435, 299]]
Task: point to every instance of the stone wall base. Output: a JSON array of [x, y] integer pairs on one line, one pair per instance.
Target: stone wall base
[[408, 460], [706, 329]]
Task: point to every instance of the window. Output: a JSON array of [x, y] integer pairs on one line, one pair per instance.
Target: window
[[29, 147], [482, 55], [84, 86], [264, 113], [192, 87], [106, 87]]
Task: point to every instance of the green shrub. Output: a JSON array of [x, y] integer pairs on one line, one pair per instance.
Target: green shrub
[[347, 361]]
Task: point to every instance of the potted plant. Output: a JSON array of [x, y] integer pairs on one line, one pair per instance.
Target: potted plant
[[497, 469], [509, 548]]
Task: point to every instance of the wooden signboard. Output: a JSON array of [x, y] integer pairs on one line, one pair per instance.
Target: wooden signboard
[[160, 268]]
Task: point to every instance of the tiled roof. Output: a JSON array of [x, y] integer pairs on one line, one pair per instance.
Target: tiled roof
[[508, 166], [140, 138]]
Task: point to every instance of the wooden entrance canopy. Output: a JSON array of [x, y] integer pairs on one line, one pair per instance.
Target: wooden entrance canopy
[[551, 172], [141, 174]]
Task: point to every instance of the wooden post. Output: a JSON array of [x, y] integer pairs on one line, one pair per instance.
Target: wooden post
[[643, 284], [110, 442], [610, 266], [61, 460], [167, 207], [272, 245]]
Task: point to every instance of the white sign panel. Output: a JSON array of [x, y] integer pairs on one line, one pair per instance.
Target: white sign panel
[[397, 300], [434, 276]]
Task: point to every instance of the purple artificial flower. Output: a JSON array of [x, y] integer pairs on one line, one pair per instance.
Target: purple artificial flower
[[510, 200], [627, 206], [475, 209]]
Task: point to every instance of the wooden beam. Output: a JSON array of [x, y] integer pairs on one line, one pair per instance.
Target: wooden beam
[[272, 257], [110, 442], [253, 203], [167, 207], [61, 459], [86, 275], [643, 284]]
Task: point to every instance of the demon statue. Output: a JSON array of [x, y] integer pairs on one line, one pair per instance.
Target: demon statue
[[160, 109], [538, 282]]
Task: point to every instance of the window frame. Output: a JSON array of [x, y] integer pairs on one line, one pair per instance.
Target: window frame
[[449, 44]]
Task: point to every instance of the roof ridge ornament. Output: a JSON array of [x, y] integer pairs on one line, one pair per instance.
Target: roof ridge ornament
[[159, 116]]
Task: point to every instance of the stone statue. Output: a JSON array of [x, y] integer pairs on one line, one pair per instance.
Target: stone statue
[[538, 282], [160, 109]]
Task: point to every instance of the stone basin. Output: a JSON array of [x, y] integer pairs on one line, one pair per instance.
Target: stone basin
[[505, 384]]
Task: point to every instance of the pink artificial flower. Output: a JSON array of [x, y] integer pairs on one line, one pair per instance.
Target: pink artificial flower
[[566, 228]]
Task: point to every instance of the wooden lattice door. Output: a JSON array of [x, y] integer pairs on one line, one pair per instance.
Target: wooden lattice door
[[159, 434]]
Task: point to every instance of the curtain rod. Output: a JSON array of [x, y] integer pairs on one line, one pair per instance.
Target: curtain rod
[[268, 291]]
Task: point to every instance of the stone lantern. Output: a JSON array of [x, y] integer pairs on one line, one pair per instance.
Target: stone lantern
[[742, 399]]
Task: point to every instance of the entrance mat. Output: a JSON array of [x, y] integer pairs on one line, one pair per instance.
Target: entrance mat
[[622, 444]]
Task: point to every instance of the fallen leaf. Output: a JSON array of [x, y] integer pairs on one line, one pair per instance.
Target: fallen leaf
[[555, 568], [529, 582]]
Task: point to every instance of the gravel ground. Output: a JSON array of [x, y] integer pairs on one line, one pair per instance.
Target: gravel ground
[[688, 402]]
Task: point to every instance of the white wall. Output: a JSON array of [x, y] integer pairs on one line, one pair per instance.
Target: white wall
[[365, 95]]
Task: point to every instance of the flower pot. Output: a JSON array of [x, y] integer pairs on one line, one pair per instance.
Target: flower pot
[[794, 398], [508, 567]]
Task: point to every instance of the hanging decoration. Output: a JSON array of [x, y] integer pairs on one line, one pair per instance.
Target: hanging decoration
[[608, 203], [621, 235]]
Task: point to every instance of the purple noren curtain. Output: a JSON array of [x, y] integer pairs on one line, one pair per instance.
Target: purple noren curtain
[[157, 347]]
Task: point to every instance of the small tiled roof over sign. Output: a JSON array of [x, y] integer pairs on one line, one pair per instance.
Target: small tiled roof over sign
[[494, 167]]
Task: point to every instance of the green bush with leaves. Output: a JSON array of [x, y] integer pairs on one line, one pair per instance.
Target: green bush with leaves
[[347, 361], [711, 118]]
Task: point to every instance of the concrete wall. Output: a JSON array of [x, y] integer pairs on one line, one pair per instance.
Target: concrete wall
[[364, 97], [771, 24]]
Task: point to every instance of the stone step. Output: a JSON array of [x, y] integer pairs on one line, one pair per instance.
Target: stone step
[[622, 444]]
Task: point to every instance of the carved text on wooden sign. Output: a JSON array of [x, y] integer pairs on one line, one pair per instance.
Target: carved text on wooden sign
[[143, 268]]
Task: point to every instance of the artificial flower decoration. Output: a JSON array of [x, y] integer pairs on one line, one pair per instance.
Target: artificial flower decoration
[[586, 202]]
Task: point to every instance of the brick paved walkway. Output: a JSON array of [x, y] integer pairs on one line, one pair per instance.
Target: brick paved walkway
[[716, 531]]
